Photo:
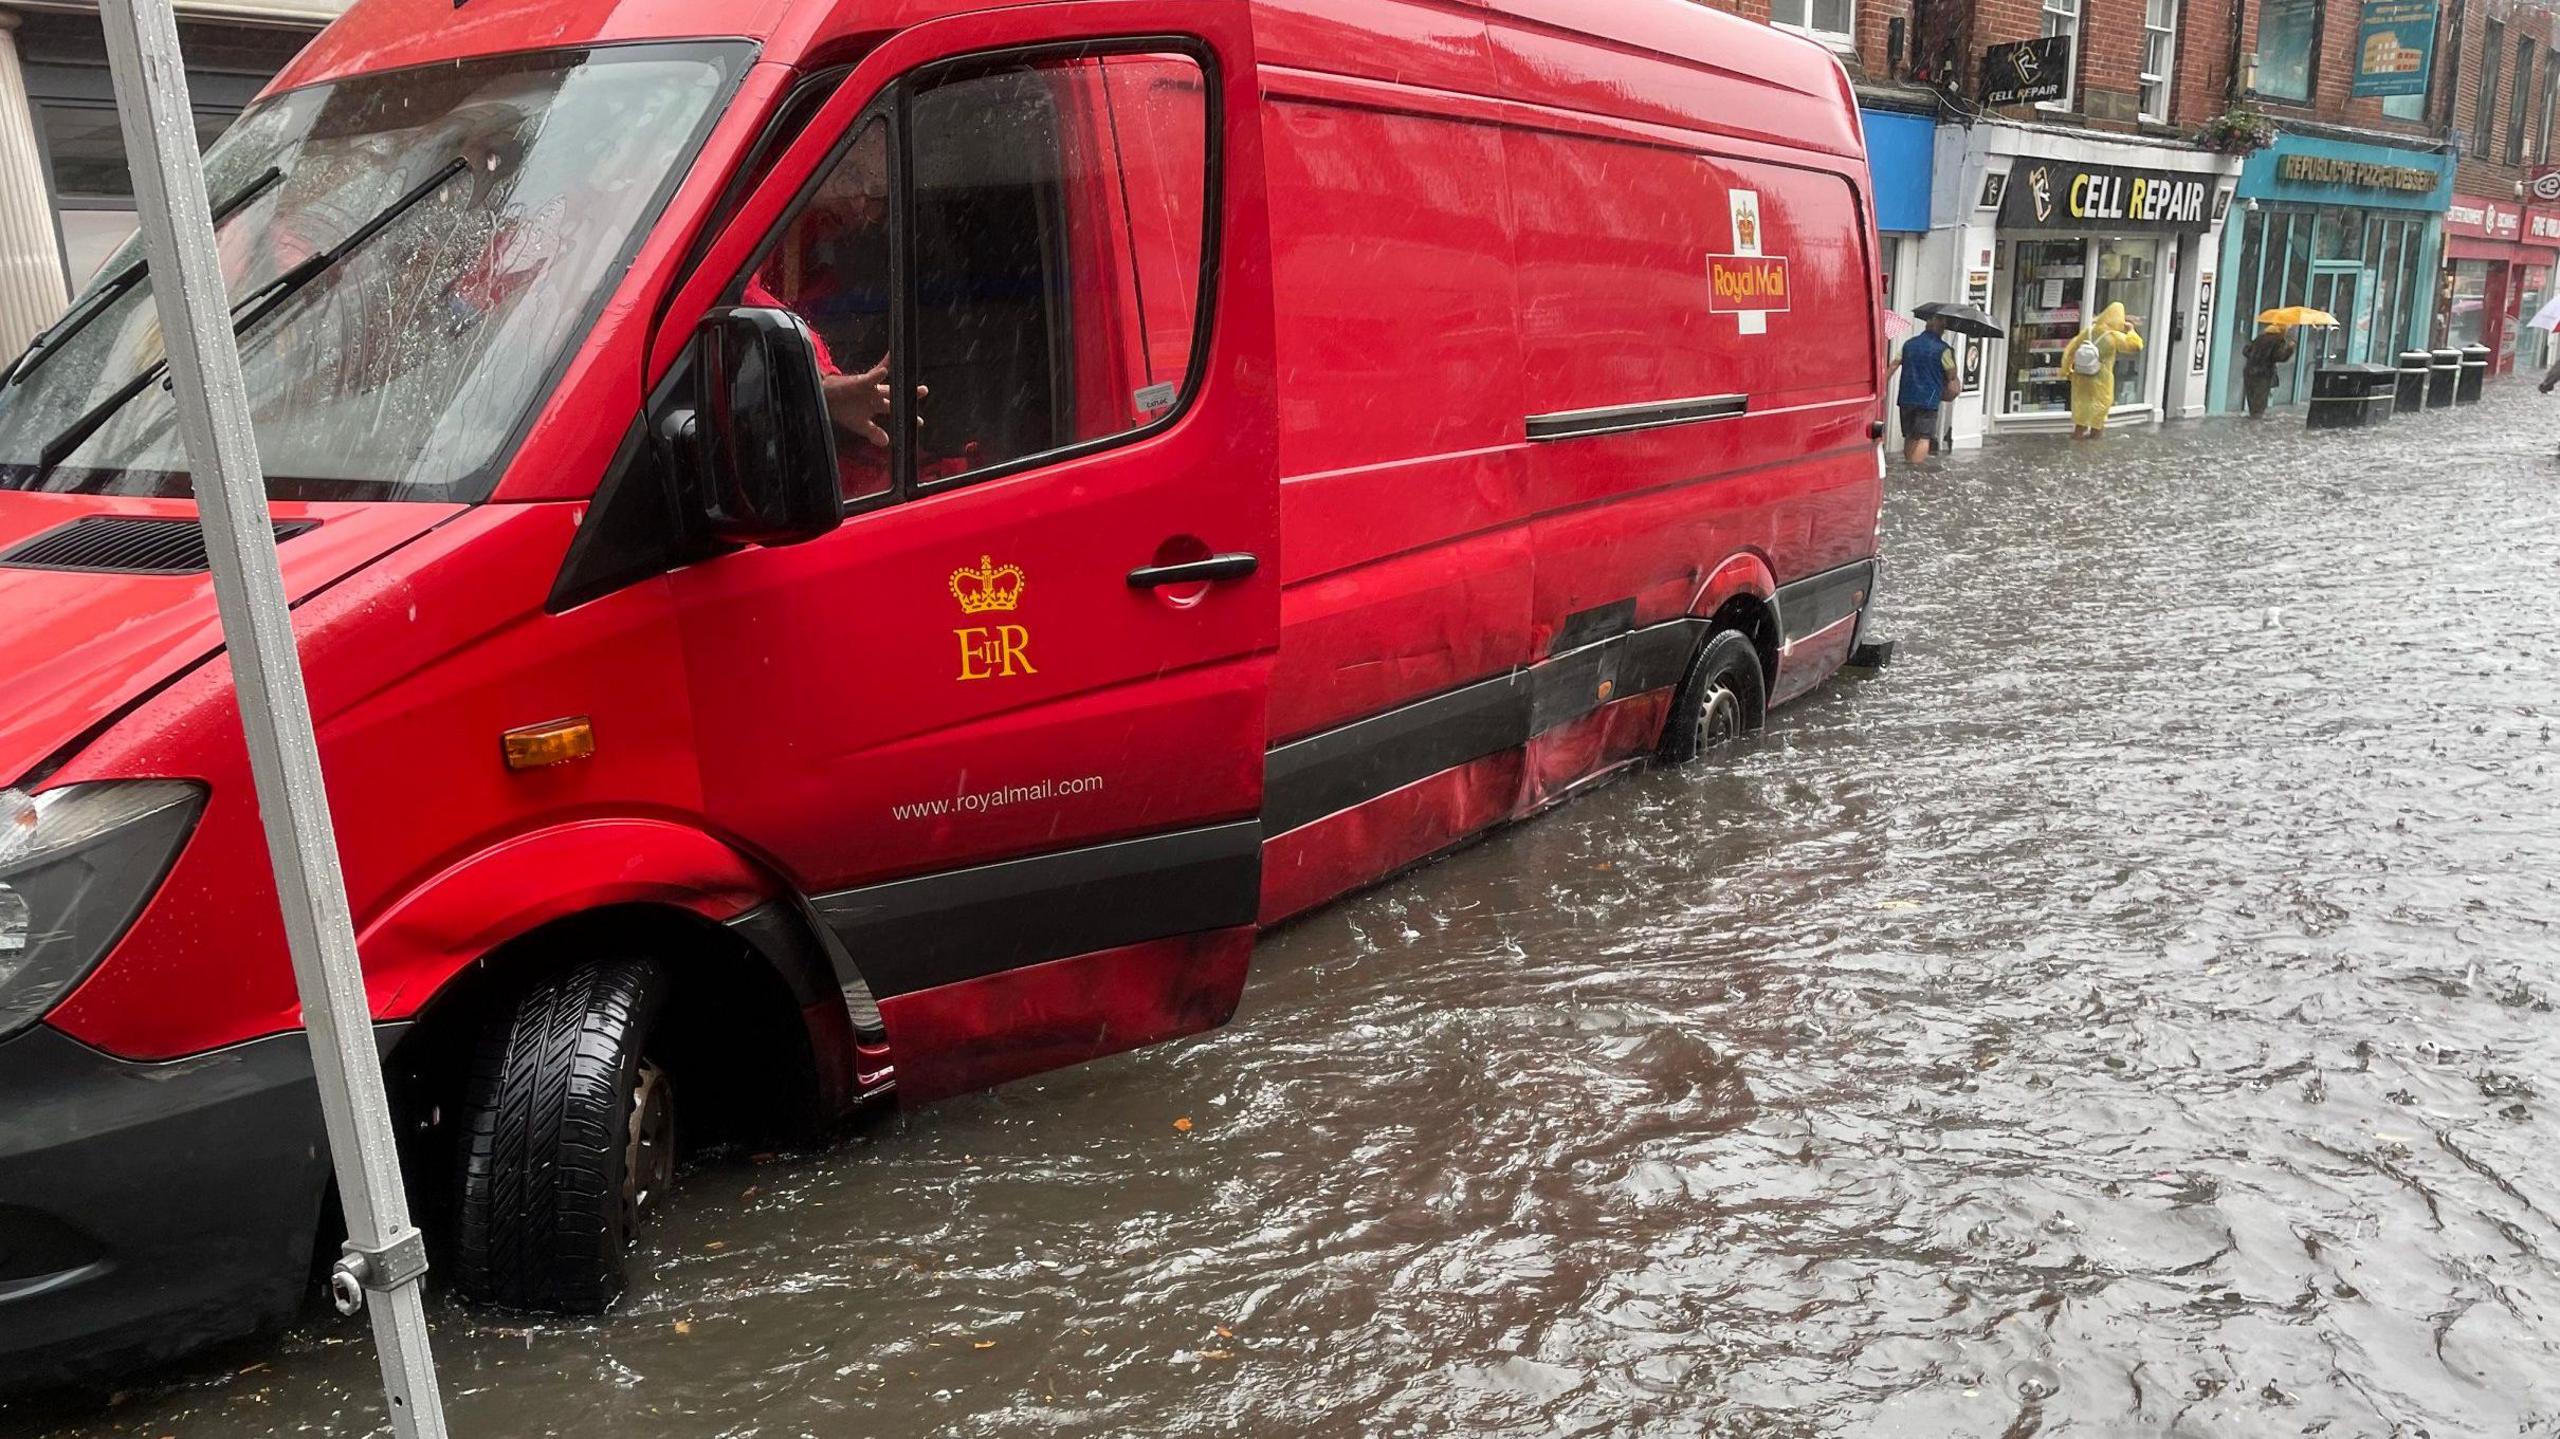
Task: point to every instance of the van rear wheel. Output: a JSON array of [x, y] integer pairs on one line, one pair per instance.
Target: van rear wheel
[[1725, 696], [568, 1139]]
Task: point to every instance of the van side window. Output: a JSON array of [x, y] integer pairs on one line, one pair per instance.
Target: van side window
[[831, 265], [1055, 224], [1058, 222]]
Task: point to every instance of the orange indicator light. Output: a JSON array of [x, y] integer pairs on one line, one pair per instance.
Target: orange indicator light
[[535, 745]]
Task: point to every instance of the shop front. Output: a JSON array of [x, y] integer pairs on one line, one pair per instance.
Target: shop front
[[2498, 258], [2059, 225], [2352, 229]]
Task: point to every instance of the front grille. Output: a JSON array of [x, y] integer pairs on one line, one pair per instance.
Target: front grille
[[125, 545]]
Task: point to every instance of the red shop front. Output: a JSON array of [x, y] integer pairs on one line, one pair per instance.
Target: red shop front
[[2498, 264]]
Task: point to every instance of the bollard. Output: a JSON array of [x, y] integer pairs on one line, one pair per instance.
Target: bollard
[[2475, 372], [2444, 372], [2412, 389], [2350, 397]]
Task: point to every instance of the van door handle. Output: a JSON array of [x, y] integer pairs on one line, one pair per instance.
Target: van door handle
[[1192, 572]]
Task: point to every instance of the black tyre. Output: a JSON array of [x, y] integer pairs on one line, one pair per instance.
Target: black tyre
[[1725, 696], [568, 1139]]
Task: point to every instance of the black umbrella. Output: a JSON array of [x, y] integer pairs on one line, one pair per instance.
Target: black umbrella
[[1963, 319]]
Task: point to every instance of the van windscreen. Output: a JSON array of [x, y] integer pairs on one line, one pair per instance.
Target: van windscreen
[[515, 189]]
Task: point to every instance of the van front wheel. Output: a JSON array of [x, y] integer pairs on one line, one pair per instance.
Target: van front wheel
[[1725, 696], [568, 1139]]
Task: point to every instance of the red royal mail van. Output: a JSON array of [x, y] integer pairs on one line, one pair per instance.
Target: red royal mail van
[[843, 545]]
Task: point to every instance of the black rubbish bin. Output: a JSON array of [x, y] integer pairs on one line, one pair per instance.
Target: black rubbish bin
[[2412, 393], [2444, 372], [2475, 373], [2348, 397]]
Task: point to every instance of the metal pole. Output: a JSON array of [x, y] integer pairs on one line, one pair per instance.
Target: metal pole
[[384, 1252]]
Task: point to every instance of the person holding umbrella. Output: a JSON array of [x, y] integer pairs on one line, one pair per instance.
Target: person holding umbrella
[[1928, 366], [2271, 350], [1929, 372], [2091, 361]]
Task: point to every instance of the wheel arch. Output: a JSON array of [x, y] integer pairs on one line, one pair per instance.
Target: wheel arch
[[752, 974], [1741, 594]]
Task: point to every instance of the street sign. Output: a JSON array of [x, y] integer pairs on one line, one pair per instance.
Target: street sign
[[2023, 72]]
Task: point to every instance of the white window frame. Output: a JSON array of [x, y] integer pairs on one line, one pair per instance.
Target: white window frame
[[2067, 15], [2163, 80], [1837, 39]]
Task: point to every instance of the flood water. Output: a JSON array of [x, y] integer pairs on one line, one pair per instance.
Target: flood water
[[2130, 1012]]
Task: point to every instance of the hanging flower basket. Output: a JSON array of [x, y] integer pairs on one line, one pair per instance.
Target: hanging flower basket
[[2237, 131]]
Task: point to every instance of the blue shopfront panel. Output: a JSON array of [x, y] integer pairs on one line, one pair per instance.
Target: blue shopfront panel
[[1900, 148]]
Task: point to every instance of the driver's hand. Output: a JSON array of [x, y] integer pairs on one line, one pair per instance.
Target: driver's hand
[[858, 403]]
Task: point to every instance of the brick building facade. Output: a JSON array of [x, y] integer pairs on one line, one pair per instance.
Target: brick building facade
[[2346, 210], [2502, 240]]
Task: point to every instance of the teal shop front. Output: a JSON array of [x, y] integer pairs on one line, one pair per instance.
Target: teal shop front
[[2354, 229]]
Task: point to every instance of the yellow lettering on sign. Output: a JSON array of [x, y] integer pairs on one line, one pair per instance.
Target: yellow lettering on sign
[[2079, 194], [994, 652]]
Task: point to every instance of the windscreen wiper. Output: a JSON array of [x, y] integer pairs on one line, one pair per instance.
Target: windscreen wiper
[[253, 307], [42, 347]]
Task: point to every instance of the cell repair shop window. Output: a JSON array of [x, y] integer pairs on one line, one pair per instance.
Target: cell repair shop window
[[1834, 22], [2159, 56], [2062, 17]]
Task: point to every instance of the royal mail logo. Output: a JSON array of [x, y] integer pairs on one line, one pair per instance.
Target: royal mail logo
[[991, 651], [1747, 284]]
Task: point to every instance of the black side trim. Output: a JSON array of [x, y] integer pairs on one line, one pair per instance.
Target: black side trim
[[1590, 626], [1623, 419], [937, 929], [1330, 771], [1817, 602], [1335, 769]]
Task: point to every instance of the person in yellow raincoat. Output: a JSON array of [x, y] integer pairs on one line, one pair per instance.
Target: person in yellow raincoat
[[2092, 395]]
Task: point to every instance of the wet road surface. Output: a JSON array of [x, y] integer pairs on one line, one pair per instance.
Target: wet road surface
[[2131, 1012]]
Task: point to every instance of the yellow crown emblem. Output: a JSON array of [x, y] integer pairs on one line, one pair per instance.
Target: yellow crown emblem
[[988, 587]]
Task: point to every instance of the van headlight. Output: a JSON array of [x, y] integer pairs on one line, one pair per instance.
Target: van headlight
[[76, 865]]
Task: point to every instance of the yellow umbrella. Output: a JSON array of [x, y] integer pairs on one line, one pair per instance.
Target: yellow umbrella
[[2292, 315]]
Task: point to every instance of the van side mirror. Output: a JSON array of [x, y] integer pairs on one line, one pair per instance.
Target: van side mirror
[[757, 440]]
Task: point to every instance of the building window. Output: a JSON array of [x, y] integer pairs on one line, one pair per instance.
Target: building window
[[2484, 121], [2159, 56], [1833, 21], [2288, 49], [2522, 96], [2062, 17], [2550, 94]]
